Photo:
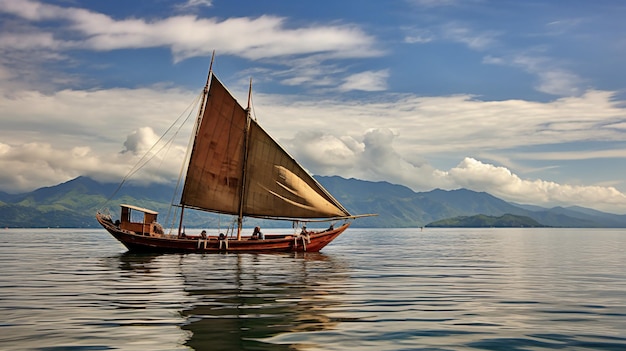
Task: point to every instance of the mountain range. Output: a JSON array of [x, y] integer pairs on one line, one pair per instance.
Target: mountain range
[[483, 221], [73, 204]]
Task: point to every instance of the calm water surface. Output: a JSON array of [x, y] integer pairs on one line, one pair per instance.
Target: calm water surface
[[371, 289]]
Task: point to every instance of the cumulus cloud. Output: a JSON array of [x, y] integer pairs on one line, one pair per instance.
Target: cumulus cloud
[[373, 157], [500, 181], [376, 159], [69, 115], [325, 151], [51, 138], [380, 161], [140, 141], [29, 166]]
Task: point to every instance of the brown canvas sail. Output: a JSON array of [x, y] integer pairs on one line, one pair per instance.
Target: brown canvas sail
[[213, 180], [228, 145]]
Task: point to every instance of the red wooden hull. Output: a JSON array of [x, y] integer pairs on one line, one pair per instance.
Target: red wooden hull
[[313, 242]]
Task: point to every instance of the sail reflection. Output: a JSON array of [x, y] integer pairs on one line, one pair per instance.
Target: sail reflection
[[239, 300]]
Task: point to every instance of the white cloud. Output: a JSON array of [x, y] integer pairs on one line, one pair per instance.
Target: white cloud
[[552, 79], [397, 130], [309, 71], [93, 117], [140, 141], [552, 75], [22, 41], [31, 165], [193, 4], [366, 81], [435, 126], [30, 10], [187, 36], [328, 153], [564, 26], [558, 82], [473, 39], [574, 155], [493, 60], [378, 160], [419, 36], [499, 181], [454, 32], [48, 139], [438, 126], [28, 48]]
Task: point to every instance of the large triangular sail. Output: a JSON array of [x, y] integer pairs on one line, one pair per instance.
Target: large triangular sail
[[230, 144]]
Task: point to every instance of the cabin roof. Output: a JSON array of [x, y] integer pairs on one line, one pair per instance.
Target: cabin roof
[[144, 210]]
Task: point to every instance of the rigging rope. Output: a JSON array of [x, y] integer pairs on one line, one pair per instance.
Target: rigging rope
[[182, 170], [143, 161]]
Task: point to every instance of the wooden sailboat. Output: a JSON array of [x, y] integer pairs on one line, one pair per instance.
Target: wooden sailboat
[[236, 168]]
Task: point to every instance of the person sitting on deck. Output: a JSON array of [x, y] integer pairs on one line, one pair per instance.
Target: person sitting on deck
[[304, 231], [256, 234], [203, 234]]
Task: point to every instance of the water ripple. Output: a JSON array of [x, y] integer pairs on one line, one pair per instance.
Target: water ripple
[[505, 289]]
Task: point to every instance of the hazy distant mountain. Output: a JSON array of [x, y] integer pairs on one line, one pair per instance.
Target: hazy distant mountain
[[399, 206], [74, 203], [482, 221]]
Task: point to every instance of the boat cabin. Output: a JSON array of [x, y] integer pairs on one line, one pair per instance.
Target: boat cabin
[[148, 226]]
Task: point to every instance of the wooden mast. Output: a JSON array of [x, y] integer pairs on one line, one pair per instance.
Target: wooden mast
[[246, 134]]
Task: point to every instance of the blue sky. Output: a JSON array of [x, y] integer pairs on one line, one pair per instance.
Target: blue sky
[[521, 99]]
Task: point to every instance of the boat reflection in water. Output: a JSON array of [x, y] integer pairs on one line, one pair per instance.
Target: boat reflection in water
[[227, 301], [242, 299]]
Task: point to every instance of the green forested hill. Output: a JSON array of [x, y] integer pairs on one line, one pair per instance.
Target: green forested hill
[[73, 204]]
